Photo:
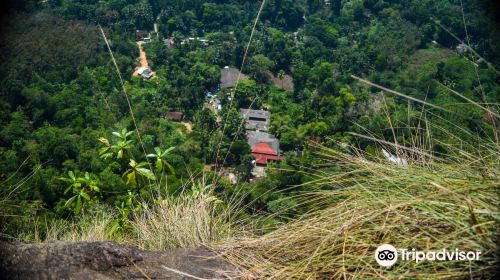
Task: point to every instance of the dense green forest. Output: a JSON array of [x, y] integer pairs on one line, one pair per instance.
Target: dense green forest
[[76, 134]]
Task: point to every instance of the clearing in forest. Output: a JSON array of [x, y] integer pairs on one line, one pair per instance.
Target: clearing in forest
[[143, 61]]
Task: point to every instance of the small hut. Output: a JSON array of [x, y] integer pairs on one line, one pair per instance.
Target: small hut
[[175, 116]]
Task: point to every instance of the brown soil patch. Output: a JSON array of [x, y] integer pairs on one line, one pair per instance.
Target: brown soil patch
[[143, 60], [286, 83], [188, 125]]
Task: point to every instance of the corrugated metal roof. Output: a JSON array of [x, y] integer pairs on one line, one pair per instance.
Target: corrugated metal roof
[[256, 119]]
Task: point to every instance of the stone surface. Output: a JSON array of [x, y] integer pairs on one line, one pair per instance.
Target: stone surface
[[108, 260]]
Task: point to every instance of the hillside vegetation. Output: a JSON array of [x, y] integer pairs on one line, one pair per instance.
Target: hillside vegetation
[[386, 113]]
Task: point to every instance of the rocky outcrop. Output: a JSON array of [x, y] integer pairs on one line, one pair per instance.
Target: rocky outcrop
[[108, 260]]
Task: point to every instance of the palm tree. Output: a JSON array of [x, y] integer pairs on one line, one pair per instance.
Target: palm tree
[[281, 76]]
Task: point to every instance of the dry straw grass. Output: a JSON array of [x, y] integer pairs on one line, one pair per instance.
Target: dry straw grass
[[188, 220], [371, 203], [429, 201], [184, 221], [93, 226]]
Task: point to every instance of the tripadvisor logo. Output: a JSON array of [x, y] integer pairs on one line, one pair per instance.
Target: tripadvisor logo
[[387, 255]]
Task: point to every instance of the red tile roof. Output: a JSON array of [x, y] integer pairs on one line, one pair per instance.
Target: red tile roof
[[262, 159], [263, 148], [263, 152]]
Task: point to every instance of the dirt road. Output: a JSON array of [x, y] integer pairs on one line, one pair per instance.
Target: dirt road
[[142, 58]]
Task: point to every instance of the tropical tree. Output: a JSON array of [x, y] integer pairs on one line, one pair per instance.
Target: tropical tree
[[120, 149], [259, 65], [281, 76], [161, 164], [84, 189], [138, 174]]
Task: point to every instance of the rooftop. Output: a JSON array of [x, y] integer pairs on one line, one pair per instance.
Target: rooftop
[[142, 33], [264, 148], [229, 76], [256, 119], [147, 73], [263, 153], [255, 137], [175, 116]]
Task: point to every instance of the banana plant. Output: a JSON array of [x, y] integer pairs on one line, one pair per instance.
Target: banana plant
[[120, 148], [137, 174], [83, 190], [161, 163]]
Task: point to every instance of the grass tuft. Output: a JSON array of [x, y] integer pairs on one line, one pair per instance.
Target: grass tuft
[[91, 226], [185, 221]]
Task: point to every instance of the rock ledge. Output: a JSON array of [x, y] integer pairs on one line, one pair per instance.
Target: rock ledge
[[107, 260]]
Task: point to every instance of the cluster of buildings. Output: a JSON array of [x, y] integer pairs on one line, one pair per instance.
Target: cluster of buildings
[[228, 78], [170, 42], [145, 37], [265, 146], [144, 70]]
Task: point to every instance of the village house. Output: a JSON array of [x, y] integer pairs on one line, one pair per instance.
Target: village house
[[143, 35], [146, 73], [256, 119], [265, 147], [175, 116], [229, 76], [263, 153], [255, 137]]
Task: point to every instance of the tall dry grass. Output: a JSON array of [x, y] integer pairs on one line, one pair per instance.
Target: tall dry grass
[[191, 220], [372, 202], [89, 226], [188, 220], [428, 201]]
